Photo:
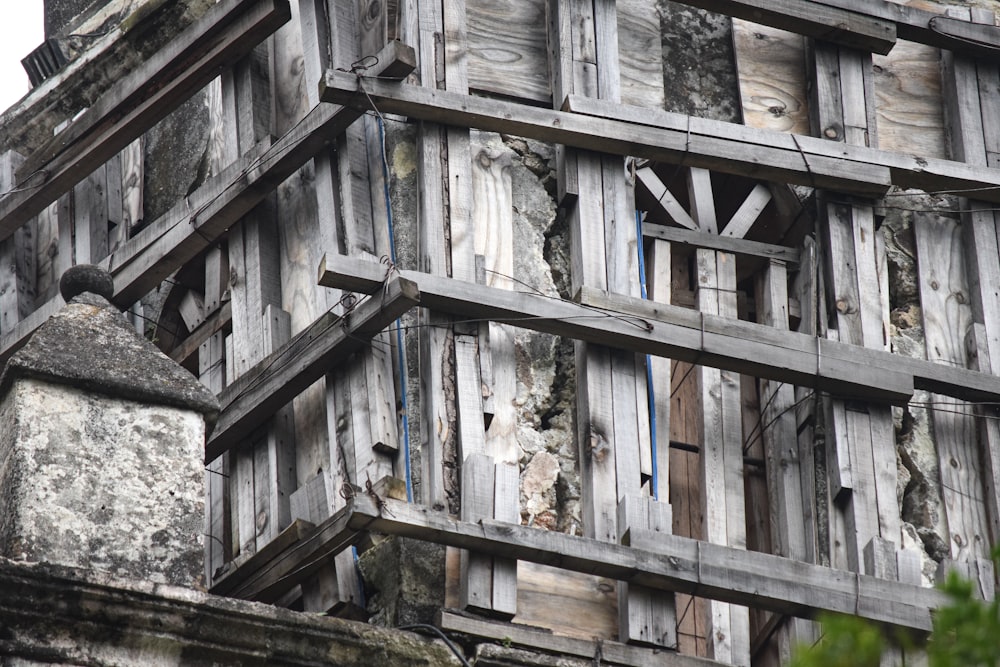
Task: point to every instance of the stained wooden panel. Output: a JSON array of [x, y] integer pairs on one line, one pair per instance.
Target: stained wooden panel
[[772, 75], [507, 50], [908, 100]]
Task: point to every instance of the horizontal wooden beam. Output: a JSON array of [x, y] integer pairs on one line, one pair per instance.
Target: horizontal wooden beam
[[847, 27], [204, 216], [268, 581], [918, 25], [218, 320], [680, 333], [243, 567], [660, 561], [712, 148], [869, 25], [149, 26], [651, 328], [667, 563], [225, 34], [906, 171], [728, 244], [284, 374], [540, 639], [599, 125]]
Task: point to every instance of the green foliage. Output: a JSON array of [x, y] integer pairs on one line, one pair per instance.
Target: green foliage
[[847, 641], [967, 630], [966, 633]]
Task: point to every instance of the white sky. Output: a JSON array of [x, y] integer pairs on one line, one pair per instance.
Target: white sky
[[21, 30]]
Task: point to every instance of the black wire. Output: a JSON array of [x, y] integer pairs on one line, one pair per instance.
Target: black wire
[[437, 631]]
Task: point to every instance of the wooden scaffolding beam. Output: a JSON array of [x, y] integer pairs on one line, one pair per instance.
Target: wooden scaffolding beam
[[665, 563]]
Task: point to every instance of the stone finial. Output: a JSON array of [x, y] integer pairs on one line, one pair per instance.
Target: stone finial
[[102, 441], [91, 346], [83, 278]]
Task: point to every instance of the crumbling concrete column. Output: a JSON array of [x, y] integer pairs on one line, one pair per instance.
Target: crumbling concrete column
[[101, 446]]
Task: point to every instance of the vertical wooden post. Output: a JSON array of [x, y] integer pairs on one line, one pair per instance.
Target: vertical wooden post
[[612, 407], [721, 461], [90, 216], [970, 91], [265, 466], [219, 537], [788, 489], [17, 258], [325, 34], [860, 438], [438, 428]]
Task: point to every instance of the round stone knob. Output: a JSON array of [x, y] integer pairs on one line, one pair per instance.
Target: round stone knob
[[86, 278]]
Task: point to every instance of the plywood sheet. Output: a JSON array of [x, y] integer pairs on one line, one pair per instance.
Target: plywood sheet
[[507, 50], [908, 108], [907, 82], [772, 73]]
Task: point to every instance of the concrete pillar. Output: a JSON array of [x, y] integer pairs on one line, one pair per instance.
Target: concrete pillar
[[101, 446]]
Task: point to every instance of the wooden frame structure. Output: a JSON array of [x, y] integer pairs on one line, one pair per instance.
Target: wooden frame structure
[[311, 381]]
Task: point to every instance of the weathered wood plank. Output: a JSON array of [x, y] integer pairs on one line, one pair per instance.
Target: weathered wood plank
[[842, 369], [906, 169], [640, 53], [715, 145], [773, 93], [229, 31], [970, 109], [908, 89], [748, 212], [219, 546], [738, 247], [668, 562], [645, 616], [306, 358], [852, 28], [238, 571], [664, 198], [492, 217], [860, 443], [946, 316], [191, 225], [478, 492], [17, 258], [212, 324], [674, 332], [927, 27], [864, 24], [506, 48], [787, 489], [658, 278], [721, 460]]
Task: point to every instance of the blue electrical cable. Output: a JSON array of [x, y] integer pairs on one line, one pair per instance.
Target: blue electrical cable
[[399, 326], [654, 483]]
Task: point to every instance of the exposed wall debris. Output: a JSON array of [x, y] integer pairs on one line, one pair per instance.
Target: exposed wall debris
[[918, 485]]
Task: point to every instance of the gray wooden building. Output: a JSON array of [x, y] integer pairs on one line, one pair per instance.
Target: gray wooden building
[[671, 324]]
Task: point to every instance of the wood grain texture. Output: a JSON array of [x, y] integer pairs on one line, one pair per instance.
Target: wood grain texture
[[507, 48], [946, 315], [640, 54], [772, 78], [908, 93], [721, 459], [18, 281], [492, 218], [304, 360]]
